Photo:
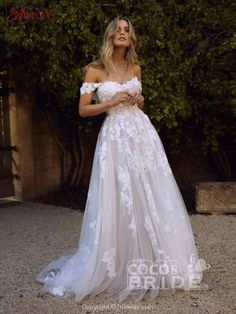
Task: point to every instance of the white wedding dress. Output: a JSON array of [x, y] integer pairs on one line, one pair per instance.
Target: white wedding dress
[[135, 215]]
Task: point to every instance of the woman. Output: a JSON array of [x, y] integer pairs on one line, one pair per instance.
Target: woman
[[136, 236]]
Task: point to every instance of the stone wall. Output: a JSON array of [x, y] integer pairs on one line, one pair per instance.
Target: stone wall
[[38, 159], [47, 152]]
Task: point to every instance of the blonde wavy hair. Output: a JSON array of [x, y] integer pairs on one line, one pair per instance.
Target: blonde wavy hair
[[106, 51]]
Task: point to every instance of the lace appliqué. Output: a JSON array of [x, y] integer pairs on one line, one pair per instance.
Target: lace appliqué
[[109, 258], [126, 197], [168, 203], [151, 202], [58, 291], [109, 88], [88, 87], [92, 224], [151, 231], [102, 158], [52, 273], [163, 163], [133, 228], [95, 226]]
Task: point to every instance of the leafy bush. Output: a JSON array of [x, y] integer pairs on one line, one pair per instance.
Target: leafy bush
[[185, 50]]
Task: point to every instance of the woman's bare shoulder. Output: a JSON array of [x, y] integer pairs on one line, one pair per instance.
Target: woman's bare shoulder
[[92, 73], [95, 71]]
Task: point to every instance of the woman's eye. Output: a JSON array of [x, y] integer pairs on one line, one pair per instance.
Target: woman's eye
[[118, 30]]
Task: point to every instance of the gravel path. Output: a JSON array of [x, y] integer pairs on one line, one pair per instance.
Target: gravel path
[[33, 234]]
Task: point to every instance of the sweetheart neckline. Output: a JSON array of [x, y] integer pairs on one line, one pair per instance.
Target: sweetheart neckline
[[108, 81]]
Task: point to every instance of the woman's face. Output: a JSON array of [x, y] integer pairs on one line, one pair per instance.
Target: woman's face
[[122, 35]]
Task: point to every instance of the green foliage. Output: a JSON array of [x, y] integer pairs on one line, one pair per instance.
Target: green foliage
[[185, 49]]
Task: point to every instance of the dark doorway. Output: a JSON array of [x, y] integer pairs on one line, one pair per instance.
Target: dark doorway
[[6, 175]]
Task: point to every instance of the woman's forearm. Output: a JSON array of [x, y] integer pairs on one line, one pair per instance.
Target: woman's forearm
[[93, 109]]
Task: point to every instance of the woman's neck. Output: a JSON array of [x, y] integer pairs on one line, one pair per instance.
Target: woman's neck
[[118, 57]]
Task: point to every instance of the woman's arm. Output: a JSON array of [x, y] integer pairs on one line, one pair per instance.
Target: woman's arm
[[140, 98], [87, 109]]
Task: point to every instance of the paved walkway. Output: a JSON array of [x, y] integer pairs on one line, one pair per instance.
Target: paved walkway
[[33, 234]]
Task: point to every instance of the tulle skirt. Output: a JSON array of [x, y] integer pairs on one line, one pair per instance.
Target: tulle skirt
[[136, 237]]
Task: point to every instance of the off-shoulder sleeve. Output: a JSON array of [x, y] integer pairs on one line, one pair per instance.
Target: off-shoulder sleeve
[[88, 87]]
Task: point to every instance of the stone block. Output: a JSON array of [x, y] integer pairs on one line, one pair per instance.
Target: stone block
[[216, 197]]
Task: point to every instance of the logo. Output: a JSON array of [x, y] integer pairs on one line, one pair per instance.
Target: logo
[[25, 14], [165, 273]]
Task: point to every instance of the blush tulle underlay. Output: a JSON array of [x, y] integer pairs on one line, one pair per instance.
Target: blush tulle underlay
[[136, 237]]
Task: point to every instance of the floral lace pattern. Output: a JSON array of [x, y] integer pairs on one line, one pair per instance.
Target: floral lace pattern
[[97, 230], [134, 209], [125, 194], [104, 91], [102, 158], [109, 258], [88, 87], [163, 163], [148, 224]]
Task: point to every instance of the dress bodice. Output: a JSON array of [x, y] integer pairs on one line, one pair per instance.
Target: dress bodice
[[106, 90]]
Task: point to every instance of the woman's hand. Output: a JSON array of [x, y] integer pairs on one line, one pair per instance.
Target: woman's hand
[[136, 98], [119, 98]]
